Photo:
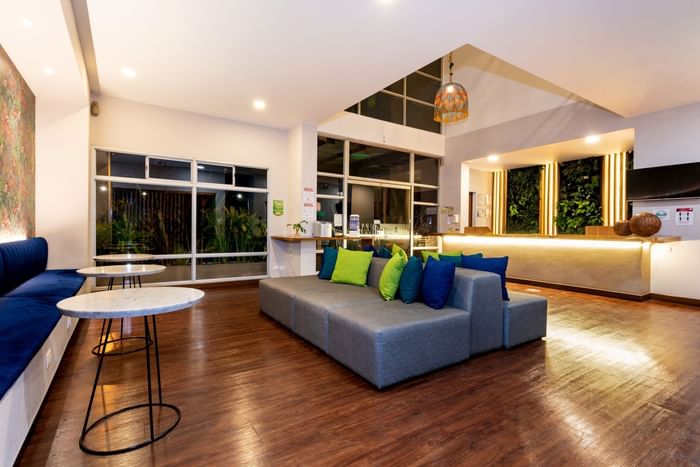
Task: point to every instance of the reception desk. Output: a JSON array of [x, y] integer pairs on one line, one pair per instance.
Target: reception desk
[[618, 266]]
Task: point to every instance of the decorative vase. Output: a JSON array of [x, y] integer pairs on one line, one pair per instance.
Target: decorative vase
[[645, 224], [622, 228]]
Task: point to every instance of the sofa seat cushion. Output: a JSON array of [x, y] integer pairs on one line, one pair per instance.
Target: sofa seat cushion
[[311, 309], [55, 283], [25, 324], [524, 318], [393, 341], [22, 260]]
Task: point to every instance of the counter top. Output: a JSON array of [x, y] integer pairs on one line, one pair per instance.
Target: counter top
[[628, 238]]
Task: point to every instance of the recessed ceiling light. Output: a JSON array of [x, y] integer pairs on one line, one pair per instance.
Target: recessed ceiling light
[[48, 71], [592, 139], [128, 72], [26, 22], [492, 158], [259, 104]]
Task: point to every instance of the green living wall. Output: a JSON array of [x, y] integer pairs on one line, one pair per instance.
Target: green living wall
[[579, 195], [523, 200]]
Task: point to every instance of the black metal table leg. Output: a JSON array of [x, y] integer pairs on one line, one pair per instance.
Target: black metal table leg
[[121, 339], [150, 405]]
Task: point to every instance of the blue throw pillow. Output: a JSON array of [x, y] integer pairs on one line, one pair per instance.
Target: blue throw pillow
[[495, 265], [330, 256], [436, 285], [409, 286], [455, 259], [384, 252], [370, 248]]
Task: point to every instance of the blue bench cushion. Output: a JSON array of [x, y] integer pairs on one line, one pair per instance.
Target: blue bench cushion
[[22, 260], [55, 283], [25, 324]]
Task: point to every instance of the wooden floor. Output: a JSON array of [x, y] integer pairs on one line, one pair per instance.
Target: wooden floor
[[614, 383]]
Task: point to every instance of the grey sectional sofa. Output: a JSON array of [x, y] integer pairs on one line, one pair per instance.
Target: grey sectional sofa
[[387, 342]]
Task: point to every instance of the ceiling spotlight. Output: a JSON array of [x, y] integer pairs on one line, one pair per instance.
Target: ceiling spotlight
[[48, 71], [128, 72], [103, 188], [26, 22], [259, 104], [143, 193], [492, 158], [592, 139]]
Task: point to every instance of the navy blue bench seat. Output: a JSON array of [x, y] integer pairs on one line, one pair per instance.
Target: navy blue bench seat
[[28, 312]]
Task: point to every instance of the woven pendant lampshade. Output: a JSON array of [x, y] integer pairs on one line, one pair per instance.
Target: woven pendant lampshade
[[451, 101]]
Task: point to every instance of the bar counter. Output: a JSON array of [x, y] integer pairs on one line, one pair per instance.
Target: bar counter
[[618, 266]]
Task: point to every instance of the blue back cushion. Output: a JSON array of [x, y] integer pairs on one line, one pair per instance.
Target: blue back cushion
[[438, 277], [383, 252], [457, 259], [22, 260], [495, 265], [409, 285], [330, 256]]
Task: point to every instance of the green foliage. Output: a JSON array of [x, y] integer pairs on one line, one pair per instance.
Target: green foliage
[[579, 195], [523, 200], [233, 230], [298, 227]]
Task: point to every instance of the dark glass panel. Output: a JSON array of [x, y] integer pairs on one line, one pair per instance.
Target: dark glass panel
[[231, 222], [396, 87], [372, 162], [384, 107], [251, 178], [329, 186], [425, 195], [426, 170], [209, 173], [422, 88], [433, 68], [169, 169], [330, 155], [218, 268], [421, 116], [353, 108]]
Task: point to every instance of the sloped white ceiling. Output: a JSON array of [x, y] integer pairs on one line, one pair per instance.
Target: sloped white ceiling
[[311, 58]]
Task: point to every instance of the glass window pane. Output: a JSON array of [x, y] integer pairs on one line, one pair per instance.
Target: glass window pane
[[176, 270], [142, 219], [121, 165], [169, 169], [425, 195], [384, 107], [329, 186], [421, 116], [396, 87], [425, 220], [422, 88], [251, 178], [389, 206], [330, 155], [373, 162], [433, 69], [231, 222], [426, 170], [217, 268], [209, 173], [328, 209], [353, 108]]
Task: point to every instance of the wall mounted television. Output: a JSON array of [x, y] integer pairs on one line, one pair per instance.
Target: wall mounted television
[[665, 182]]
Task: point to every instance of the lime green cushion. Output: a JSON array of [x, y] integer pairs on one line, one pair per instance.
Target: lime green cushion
[[428, 254], [395, 249], [391, 276], [452, 253], [351, 267]]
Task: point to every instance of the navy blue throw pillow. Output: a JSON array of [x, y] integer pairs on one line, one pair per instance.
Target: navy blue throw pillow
[[409, 285], [330, 256], [370, 248], [495, 265], [458, 259], [384, 252], [436, 285]]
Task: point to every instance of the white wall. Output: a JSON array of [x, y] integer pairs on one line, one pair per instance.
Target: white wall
[[62, 189], [675, 269], [368, 130], [142, 128], [481, 183]]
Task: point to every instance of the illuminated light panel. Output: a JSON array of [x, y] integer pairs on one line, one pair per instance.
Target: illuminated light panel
[[592, 139], [11, 237], [26, 22], [48, 71], [548, 242], [493, 158], [128, 72], [259, 104]]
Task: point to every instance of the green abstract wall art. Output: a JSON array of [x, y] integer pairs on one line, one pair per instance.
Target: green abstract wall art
[[16, 153]]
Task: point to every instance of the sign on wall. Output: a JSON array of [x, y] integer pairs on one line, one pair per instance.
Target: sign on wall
[[685, 216], [277, 207]]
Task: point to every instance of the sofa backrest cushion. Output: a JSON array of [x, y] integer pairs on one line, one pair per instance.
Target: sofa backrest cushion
[[21, 261], [436, 284], [330, 256], [375, 271], [409, 287], [352, 267]]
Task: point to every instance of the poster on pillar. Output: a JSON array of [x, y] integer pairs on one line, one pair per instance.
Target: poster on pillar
[[309, 203]]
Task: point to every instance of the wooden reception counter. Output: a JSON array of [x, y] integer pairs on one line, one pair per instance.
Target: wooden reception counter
[[618, 266]]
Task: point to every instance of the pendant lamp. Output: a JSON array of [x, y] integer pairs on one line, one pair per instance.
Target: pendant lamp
[[451, 101]]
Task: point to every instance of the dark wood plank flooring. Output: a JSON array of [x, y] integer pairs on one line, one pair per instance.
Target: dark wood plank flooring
[[614, 383]]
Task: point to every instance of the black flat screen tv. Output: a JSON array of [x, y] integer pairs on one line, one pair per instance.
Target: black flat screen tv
[[665, 182]]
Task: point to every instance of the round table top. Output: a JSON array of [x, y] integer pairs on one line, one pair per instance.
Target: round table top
[[124, 257], [129, 303], [122, 270]]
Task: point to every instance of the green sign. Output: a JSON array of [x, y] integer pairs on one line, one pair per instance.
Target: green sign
[[277, 207]]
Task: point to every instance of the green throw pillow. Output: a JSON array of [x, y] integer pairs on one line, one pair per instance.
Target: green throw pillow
[[395, 249], [351, 267], [391, 276], [428, 254]]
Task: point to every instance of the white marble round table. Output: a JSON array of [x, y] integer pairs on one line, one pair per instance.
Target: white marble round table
[[133, 273], [130, 303], [124, 257]]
